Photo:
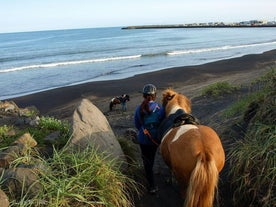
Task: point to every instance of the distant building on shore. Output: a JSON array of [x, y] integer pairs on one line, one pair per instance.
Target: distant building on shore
[[254, 23], [250, 23]]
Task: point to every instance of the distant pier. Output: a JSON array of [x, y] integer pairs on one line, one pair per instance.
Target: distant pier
[[196, 26]]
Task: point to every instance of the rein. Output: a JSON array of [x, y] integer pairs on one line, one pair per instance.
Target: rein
[[146, 132]]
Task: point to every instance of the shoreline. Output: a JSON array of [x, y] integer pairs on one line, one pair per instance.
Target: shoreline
[[172, 77]]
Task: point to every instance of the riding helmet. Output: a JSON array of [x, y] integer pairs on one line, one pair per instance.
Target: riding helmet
[[149, 89]]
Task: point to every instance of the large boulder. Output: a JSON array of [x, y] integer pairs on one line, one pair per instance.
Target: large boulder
[[91, 128]]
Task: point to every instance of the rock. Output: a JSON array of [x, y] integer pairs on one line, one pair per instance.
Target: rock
[[131, 134], [52, 137], [9, 155], [8, 107], [21, 180], [4, 201], [91, 128], [30, 111], [27, 140], [11, 132], [18, 147], [35, 122]]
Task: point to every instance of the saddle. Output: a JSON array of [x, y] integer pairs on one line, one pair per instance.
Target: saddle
[[180, 117]]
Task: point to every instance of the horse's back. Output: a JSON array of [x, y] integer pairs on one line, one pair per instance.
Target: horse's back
[[213, 145], [182, 146]]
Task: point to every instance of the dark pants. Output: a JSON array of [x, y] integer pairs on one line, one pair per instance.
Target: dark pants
[[148, 156]]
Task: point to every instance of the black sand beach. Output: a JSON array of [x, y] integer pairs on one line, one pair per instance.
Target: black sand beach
[[178, 77], [61, 103]]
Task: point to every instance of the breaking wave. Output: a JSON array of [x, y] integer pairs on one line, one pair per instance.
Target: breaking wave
[[145, 55], [229, 47], [49, 65]]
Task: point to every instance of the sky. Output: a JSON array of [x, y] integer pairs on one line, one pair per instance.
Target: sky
[[36, 15]]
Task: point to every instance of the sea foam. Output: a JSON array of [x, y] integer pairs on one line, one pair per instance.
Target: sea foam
[[49, 65]]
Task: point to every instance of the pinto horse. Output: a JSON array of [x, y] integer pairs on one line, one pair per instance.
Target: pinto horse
[[192, 151], [118, 100]]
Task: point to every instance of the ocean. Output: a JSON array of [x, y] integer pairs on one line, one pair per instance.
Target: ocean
[[31, 62]]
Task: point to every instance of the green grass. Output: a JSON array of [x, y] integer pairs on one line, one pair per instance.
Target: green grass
[[253, 157], [241, 106], [5, 139], [4, 129], [260, 88], [46, 126], [84, 178], [253, 171], [218, 89], [130, 150], [51, 123]]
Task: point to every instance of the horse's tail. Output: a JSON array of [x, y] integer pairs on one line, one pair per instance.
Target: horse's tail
[[203, 183]]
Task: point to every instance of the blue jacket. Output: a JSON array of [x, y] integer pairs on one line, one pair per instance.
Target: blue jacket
[[138, 122]]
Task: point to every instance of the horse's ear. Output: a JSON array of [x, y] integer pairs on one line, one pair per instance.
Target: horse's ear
[[167, 96], [170, 97]]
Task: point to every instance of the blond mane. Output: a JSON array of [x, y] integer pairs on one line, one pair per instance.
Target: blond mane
[[193, 152], [173, 101]]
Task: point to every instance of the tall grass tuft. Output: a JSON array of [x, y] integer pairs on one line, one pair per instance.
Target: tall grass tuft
[[253, 158], [219, 89], [253, 171], [242, 105], [85, 178], [46, 126], [260, 88]]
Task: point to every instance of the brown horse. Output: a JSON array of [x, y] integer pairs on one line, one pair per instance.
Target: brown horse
[[193, 152]]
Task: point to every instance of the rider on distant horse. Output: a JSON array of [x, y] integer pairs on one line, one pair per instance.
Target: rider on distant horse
[[123, 99]]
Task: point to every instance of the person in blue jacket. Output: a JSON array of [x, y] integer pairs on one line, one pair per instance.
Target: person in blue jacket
[[149, 109]]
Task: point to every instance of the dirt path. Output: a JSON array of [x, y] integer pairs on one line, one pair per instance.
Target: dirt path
[[168, 194], [208, 111]]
